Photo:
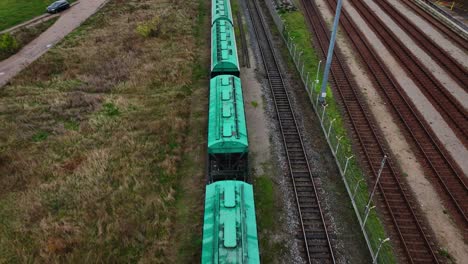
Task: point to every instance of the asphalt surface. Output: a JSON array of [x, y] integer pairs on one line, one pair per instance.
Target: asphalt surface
[[68, 21]]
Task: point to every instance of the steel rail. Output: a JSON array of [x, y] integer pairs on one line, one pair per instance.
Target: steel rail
[[406, 224], [317, 246], [455, 69], [437, 24], [245, 49], [450, 179], [447, 105]]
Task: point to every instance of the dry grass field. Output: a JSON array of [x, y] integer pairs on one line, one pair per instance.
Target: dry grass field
[[102, 140]]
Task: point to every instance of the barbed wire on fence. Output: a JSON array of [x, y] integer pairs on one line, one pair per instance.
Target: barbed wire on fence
[[339, 151]]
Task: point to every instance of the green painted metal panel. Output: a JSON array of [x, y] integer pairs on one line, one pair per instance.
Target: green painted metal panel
[[230, 233], [221, 10], [223, 48], [229, 196], [227, 130]]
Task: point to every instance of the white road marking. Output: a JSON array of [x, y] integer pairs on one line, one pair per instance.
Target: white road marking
[[2, 73]]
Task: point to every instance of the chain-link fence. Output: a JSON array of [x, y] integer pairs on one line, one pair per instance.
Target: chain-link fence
[[340, 147]]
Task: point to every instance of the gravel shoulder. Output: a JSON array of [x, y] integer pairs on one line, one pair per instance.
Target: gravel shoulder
[[67, 22]]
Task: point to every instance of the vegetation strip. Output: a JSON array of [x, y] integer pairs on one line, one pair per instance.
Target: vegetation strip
[[298, 32], [316, 241], [93, 141]]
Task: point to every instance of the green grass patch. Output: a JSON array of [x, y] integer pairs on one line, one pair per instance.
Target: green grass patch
[[11, 43], [444, 253], [40, 136], [297, 29], [190, 192], [109, 109], [268, 211], [104, 187], [265, 202], [13, 12], [71, 125]]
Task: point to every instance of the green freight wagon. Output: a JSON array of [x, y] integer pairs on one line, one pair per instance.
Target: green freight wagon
[[223, 49], [221, 10], [228, 144], [229, 229]]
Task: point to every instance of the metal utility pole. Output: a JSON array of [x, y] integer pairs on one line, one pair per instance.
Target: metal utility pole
[[323, 92]]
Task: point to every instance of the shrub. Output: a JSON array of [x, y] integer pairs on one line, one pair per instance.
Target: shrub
[[148, 29], [168, 22], [8, 44]]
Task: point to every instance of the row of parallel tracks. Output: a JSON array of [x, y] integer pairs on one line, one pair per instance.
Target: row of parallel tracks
[[450, 180], [407, 225], [317, 247], [447, 176], [441, 168], [446, 104], [454, 37]]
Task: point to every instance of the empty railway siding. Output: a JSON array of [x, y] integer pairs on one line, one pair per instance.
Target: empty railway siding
[[416, 250], [407, 224], [316, 246], [447, 177], [457, 188]]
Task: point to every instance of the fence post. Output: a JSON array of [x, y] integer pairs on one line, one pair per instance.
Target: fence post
[[329, 128], [367, 212], [337, 144], [312, 89], [318, 70], [382, 164], [298, 60], [346, 165], [288, 38], [294, 52], [302, 70], [374, 261], [323, 113], [356, 188]]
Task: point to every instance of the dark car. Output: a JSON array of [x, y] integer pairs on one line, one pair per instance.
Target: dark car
[[58, 6]]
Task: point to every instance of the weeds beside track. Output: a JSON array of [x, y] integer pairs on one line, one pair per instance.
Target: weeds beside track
[[317, 246]]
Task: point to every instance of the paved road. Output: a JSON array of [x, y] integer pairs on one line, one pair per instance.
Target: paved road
[[67, 22]]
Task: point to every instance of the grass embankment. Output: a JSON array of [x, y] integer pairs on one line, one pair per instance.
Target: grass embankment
[[298, 30], [25, 35], [14, 12], [99, 137], [268, 212]]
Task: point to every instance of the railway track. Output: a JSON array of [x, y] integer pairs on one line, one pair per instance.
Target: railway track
[[445, 103], [317, 247], [406, 224], [243, 41], [448, 179], [437, 24], [454, 68]]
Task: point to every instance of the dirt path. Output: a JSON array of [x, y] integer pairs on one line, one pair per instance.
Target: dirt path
[[67, 22]]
